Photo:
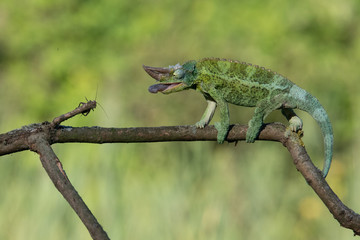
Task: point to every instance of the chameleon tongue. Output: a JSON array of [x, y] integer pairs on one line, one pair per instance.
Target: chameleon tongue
[[161, 87], [157, 87]]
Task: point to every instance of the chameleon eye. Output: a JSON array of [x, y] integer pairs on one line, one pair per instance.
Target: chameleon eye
[[179, 73]]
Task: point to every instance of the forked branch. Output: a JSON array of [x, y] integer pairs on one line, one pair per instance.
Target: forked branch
[[54, 169], [40, 137]]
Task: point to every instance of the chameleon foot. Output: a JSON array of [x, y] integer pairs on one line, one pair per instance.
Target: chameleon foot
[[200, 124], [250, 137], [296, 124], [222, 132], [252, 132]]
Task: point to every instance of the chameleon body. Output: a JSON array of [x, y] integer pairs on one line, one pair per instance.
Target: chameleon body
[[224, 81]]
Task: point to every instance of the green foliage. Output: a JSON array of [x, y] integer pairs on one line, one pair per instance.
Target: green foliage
[[53, 54]]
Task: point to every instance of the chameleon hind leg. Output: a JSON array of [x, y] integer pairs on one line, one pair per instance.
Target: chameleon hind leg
[[257, 120], [295, 123]]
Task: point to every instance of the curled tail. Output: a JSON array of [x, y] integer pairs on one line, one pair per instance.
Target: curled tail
[[321, 117], [306, 102]]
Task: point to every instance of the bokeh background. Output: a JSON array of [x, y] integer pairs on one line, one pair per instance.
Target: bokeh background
[[55, 54]]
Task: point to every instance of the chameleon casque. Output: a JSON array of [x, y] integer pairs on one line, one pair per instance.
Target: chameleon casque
[[224, 81]]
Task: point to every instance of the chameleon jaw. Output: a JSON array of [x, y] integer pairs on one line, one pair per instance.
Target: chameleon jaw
[[161, 75], [157, 73]]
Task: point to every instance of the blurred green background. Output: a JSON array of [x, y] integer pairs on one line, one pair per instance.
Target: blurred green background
[[54, 54]]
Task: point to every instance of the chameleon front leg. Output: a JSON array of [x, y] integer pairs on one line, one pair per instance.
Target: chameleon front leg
[[294, 121], [223, 126], [208, 114]]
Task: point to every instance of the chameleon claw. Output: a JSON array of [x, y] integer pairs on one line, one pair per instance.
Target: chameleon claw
[[200, 124], [296, 124]]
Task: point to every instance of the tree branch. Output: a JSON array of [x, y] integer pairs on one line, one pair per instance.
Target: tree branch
[[39, 137], [83, 108], [39, 144]]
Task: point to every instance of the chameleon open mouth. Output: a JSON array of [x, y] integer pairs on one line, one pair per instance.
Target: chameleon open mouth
[[161, 74], [163, 87]]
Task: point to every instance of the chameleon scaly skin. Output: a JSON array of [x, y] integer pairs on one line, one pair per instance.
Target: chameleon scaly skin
[[224, 81]]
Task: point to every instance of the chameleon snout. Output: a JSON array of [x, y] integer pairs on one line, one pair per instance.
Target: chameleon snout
[[157, 73], [164, 75]]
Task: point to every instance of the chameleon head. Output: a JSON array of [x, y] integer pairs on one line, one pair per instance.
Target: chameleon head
[[173, 78]]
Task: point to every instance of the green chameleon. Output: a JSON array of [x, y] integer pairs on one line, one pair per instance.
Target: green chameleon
[[224, 81]]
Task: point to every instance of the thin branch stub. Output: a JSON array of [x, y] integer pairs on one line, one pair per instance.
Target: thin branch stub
[[83, 108]]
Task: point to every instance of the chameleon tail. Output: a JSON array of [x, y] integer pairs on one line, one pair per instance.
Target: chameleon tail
[[327, 132], [308, 103]]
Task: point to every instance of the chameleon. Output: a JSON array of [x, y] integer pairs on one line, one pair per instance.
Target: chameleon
[[223, 81]]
